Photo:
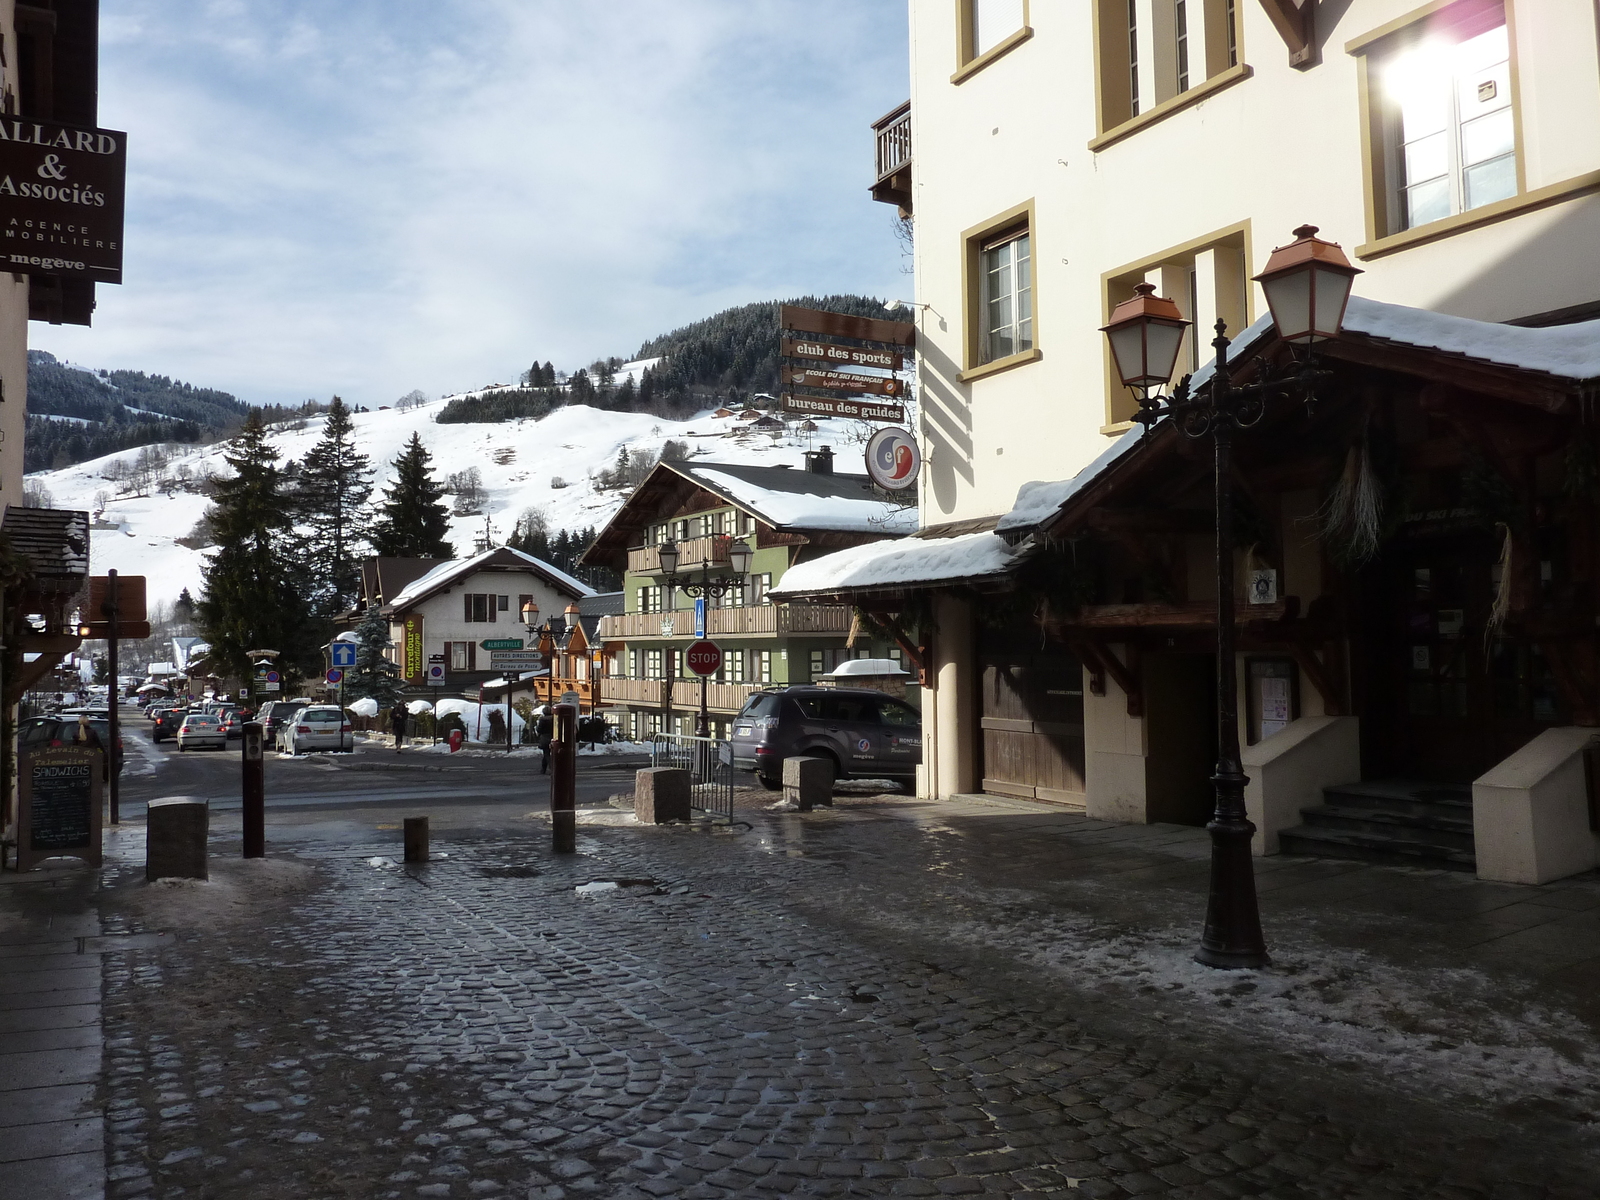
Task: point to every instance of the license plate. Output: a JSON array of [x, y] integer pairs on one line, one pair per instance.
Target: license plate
[[741, 731]]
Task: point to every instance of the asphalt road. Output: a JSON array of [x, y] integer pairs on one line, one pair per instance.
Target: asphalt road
[[372, 774]]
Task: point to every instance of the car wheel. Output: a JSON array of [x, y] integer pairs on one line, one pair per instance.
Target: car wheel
[[768, 782]]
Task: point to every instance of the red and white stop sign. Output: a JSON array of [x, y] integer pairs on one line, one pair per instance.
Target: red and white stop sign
[[703, 658]]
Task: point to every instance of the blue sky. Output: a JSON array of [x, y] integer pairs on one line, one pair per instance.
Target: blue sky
[[370, 196]]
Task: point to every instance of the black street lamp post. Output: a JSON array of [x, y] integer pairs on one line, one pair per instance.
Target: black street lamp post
[[739, 555], [1307, 284]]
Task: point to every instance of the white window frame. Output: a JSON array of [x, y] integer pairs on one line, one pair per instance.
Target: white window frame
[[1006, 280]]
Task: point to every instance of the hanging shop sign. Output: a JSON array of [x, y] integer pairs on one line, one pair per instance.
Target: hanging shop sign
[[61, 199], [862, 329], [844, 381], [845, 356], [828, 406], [893, 459]]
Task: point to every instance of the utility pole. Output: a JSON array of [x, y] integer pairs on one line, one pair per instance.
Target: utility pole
[[564, 781]]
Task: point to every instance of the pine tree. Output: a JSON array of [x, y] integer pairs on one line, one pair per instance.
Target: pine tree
[[549, 379], [333, 484], [373, 675], [251, 601], [412, 521], [183, 607]]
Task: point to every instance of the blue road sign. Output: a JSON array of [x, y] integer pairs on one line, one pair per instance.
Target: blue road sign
[[699, 616], [344, 654], [335, 675]]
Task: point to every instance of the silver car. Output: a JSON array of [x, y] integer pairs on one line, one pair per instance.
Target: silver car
[[319, 727], [201, 729]]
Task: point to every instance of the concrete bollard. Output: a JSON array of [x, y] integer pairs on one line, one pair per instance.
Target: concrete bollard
[[661, 794], [808, 782], [175, 839], [416, 835]]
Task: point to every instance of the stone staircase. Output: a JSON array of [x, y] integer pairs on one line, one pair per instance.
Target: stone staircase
[[1389, 821]]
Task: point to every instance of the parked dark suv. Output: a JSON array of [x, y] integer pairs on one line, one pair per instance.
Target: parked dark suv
[[867, 734]]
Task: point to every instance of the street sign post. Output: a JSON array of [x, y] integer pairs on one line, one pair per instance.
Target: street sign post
[[699, 616], [703, 658], [502, 644], [344, 654], [515, 660], [436, 675], [335, 676]]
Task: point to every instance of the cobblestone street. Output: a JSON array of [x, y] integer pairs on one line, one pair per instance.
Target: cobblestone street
[[745, 1013]]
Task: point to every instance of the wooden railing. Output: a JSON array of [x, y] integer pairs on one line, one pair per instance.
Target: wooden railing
[[685, 693], [692, 553], [649, 692], [893, 136], [754, 620]]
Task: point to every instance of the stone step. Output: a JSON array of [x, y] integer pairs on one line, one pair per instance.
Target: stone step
[[1403, 796], [1374, 847], [1446, 826]]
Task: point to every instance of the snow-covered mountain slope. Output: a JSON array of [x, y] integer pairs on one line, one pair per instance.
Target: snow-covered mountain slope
[[520, 461]]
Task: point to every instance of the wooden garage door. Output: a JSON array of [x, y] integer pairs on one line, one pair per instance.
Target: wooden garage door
[[1032, 722]]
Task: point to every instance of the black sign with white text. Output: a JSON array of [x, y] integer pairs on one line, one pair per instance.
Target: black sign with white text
[[61, 199]]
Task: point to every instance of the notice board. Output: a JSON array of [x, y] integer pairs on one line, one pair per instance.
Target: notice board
[[59, 804]]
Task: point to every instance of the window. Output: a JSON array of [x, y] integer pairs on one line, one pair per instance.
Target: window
[[1207, 278], [1007, 296], [902, 716], [987, 29], [462, 655], [746, 523], [480, 607], [1153, 51], [1449, 132], [633, 665], [760, 666], [732, 667], [759, 586], [653, 665]]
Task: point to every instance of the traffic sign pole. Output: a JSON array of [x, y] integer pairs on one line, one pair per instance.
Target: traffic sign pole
[[703, 658]]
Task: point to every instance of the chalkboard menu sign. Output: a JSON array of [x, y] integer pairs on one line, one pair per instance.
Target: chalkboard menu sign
[[59, 807]]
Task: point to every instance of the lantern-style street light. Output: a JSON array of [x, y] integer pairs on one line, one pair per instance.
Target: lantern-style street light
[[1307, 284], [739, 556]]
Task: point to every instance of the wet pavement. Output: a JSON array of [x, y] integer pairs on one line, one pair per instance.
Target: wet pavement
[[889, 998]]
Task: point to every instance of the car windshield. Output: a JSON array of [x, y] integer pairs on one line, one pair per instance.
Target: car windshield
[[197, 719], [761, 706]]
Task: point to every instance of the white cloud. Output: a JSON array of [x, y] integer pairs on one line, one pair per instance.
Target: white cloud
[[376, 195]]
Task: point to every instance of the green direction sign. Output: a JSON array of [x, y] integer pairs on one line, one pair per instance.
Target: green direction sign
[[502, 644]]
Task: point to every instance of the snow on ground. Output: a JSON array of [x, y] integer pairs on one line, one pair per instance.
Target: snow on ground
[[520, 461]]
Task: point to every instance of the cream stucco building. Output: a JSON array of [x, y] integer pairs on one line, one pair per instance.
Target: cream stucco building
[[1052, 157]]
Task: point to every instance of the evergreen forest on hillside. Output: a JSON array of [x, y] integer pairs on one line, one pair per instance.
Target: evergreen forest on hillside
[[724, 359], [114, 410]]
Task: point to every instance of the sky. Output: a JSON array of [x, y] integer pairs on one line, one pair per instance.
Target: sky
[[371, 196]]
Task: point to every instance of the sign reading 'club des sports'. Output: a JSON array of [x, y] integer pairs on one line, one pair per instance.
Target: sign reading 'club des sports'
[[61, 199]]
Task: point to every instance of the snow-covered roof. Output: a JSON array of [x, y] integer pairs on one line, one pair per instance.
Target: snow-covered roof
[[866, 666], [441, 576], [1039, 500], [1565, 351], [790, 499], [901, 563]]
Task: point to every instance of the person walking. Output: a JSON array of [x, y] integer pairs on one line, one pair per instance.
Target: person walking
[[543, 731], [398, 716]]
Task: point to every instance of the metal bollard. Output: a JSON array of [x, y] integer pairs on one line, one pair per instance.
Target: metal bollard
[[564, 781], [255, 792], [416, 839]]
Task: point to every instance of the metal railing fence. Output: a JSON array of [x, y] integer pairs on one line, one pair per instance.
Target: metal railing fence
[[709, 762]]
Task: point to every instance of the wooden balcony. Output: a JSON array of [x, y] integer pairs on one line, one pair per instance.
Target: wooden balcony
[[892, 135], [755, 620], [652, 693], [693, 553], [684, 693]]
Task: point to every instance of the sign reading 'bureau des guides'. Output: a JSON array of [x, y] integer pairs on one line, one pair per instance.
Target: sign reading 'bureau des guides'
[[61, 199]]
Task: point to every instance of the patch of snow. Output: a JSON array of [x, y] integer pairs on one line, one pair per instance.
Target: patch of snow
[[597, 888], [902, 562], [866, 666], [1040, 500], [364, 707], [803, 510]]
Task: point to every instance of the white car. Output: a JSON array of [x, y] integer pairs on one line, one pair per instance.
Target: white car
[[201, 729], [319, 727]]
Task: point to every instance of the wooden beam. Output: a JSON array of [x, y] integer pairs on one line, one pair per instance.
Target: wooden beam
[[1105, 660], [1317, 676], [31, 673], [1297, 26], [50, 643], [1520, 387], [1175, 616], [1149, 520]]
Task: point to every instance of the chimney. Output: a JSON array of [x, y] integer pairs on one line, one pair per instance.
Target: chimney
[[820, 462]]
